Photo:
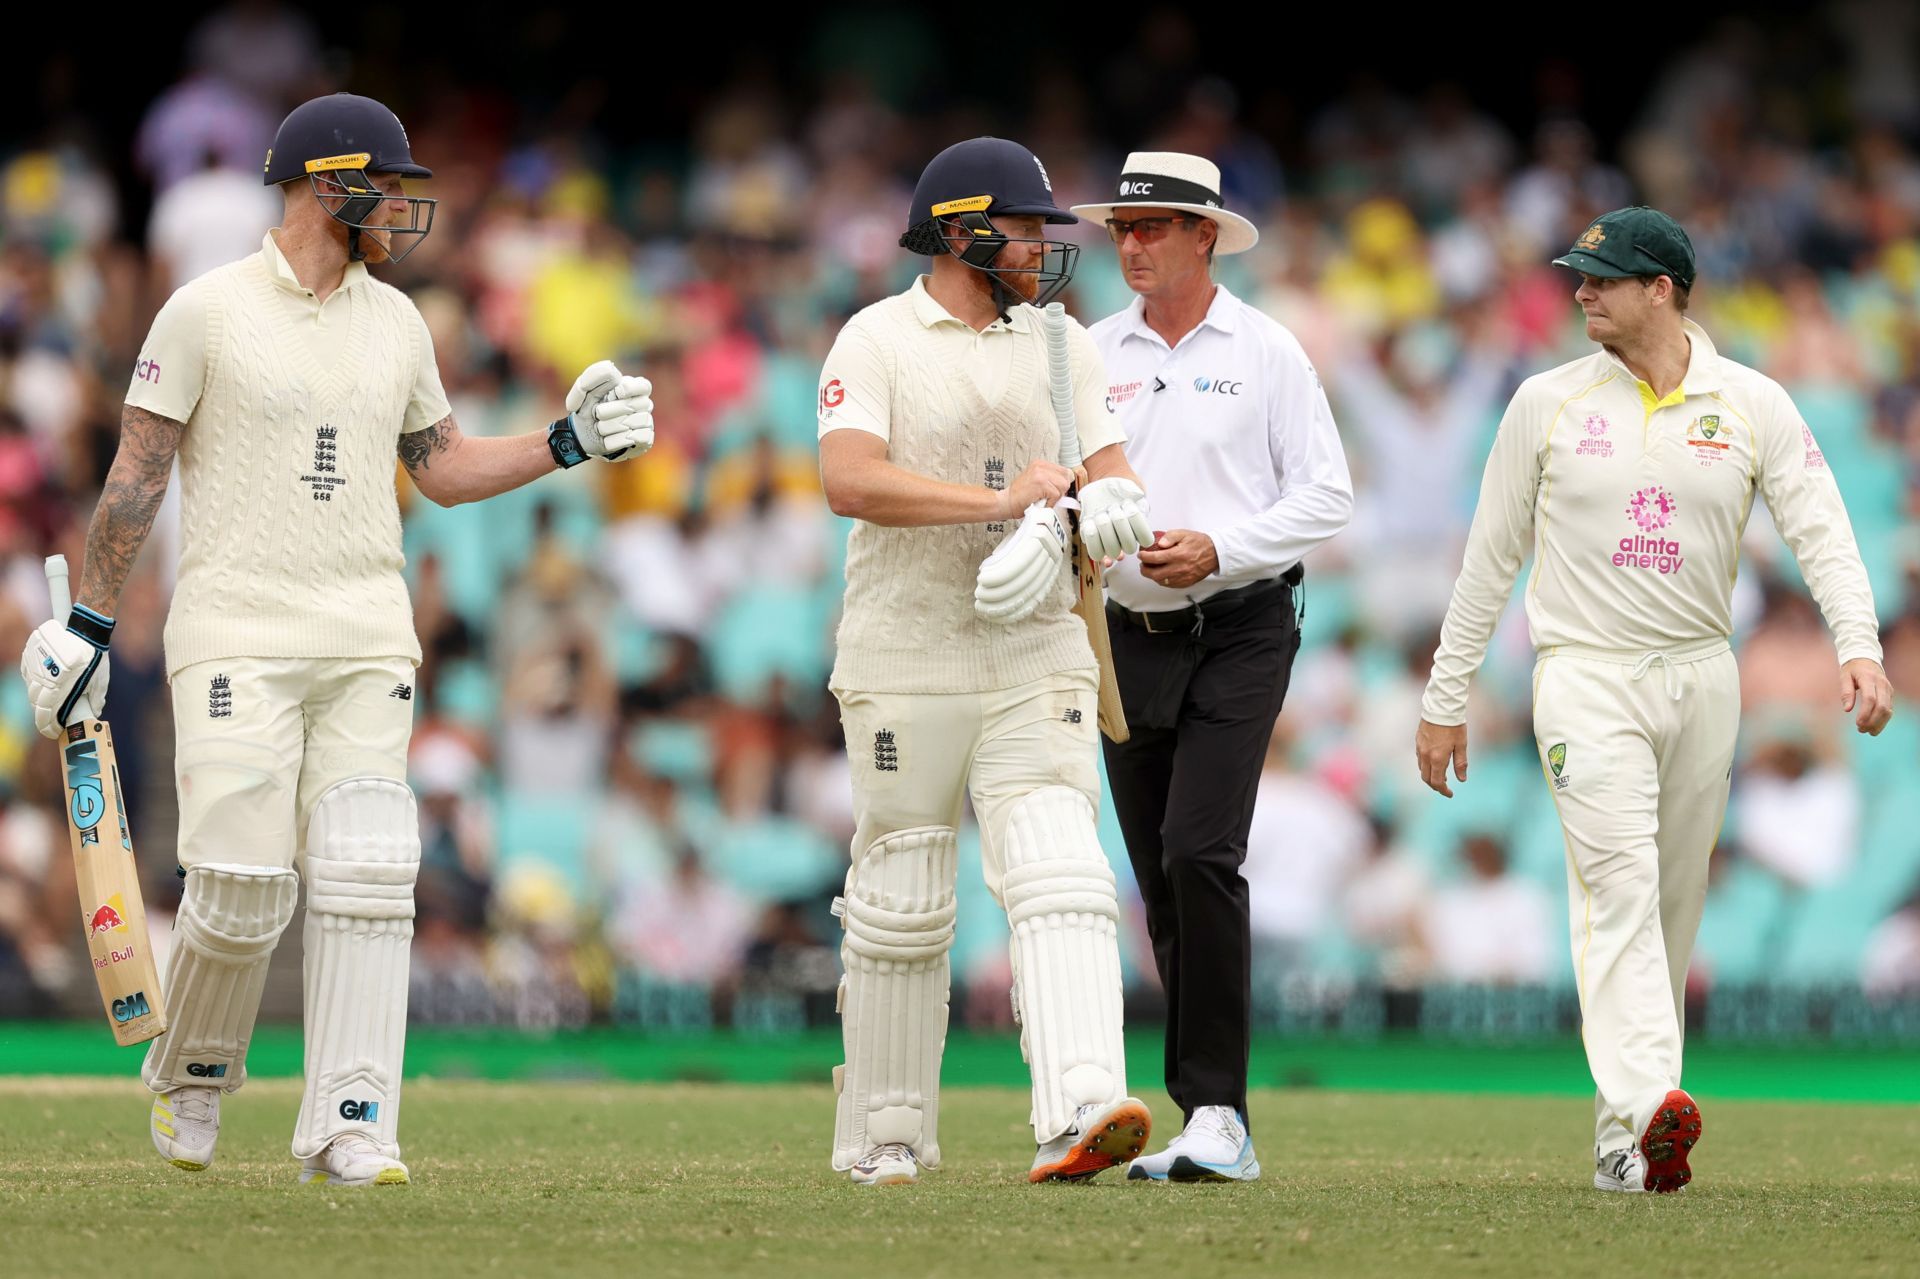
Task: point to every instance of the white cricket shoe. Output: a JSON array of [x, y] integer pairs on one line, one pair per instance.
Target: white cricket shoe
[[1623, 1170], [890, 1164], [352, 1159], [1214, 1146], [1101, 1135], [185, 1124]]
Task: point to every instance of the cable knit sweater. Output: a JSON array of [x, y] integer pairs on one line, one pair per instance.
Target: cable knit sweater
[[290, 525], [908, 625]]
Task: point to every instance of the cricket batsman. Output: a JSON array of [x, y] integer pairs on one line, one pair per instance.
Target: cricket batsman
[[1629, 475], [961, 671], [286, 383]]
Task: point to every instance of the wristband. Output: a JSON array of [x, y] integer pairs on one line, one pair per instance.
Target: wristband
[[90, 626], [564, 444]]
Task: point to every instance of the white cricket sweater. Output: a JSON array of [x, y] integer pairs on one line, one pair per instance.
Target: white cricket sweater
[[909, 372], [290, 524]]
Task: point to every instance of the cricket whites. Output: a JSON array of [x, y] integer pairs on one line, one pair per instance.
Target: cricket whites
[[111, 909]]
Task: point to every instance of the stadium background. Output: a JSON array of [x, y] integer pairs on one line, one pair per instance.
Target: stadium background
[[634, 805]]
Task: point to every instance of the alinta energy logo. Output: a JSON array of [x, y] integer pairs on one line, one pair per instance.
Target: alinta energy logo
[[1652, 510], [1596, 443]]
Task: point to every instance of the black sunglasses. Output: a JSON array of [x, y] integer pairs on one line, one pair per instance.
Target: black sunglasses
[[1146, 230]]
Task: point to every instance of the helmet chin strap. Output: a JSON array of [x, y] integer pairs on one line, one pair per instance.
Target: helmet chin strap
[[354, 251], [1004, 298]]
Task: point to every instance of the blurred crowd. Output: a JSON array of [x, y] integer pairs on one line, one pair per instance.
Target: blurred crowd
[[633, 795]]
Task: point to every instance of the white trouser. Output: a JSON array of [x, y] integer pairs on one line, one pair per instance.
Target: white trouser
[[1028, 757], [1637, 749], [258, 740]]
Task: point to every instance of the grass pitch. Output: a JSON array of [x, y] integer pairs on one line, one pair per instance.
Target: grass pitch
[[643, 1180]]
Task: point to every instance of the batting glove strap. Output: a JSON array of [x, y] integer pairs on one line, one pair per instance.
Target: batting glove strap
[[564, 444], [90, 626], [65, 714]]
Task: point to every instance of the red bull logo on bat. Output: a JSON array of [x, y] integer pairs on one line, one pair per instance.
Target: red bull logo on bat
[[110, 916]]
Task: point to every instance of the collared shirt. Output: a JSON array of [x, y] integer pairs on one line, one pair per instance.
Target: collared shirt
[[290, 526], [1633, 504], [856, 390], [1230, 432], [961, 407], [171, 370]]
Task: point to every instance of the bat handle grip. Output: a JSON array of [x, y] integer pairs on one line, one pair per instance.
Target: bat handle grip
[[57, 586]]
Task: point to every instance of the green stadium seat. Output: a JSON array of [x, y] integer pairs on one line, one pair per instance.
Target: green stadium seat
[[773, 858], [1745, 911], [768, 630], [550, 831]]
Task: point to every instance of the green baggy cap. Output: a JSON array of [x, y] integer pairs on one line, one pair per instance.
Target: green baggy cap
[[1635, 241]]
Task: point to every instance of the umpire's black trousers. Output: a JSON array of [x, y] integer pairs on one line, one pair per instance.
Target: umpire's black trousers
[[1201, 688]]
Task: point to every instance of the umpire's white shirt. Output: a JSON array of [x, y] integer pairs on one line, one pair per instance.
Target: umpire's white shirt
[[1231, 434]]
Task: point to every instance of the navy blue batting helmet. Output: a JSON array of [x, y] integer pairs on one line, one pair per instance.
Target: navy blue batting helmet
[[335, 142], [964, 188]]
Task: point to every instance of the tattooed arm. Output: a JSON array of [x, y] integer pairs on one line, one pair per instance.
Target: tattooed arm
[[451, 468], [136, 483]]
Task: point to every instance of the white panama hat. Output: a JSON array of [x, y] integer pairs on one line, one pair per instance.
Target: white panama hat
[[1171, 180]]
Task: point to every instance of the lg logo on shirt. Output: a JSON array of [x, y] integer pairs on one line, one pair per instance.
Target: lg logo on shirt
[[1207, 385]]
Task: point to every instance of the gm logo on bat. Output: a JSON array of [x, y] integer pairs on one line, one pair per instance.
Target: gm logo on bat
[[86, 805], [134, 1005], [1217, 387]]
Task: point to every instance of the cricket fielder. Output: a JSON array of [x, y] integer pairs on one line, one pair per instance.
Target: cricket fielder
[[1629, 474], [286, 383], [958, 677]]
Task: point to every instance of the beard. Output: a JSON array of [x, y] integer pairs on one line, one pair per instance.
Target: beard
[[1024, 283], [375, 245]]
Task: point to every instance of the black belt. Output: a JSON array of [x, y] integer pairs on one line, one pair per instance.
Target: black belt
[[1194, 617]]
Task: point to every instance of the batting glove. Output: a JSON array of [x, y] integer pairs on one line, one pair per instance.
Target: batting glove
[[1113, 518], [66, 670], [608, 416], [1024, 569]]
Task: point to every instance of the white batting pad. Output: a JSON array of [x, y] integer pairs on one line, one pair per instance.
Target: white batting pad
[[1064, 914], [230, 919], [898, 917], [363, 854]]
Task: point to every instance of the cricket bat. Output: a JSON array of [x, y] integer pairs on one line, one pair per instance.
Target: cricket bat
[[1090, 598], [111, 909]]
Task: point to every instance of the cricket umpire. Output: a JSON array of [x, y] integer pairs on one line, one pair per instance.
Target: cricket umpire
[[288, 383], [1229, 429]]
